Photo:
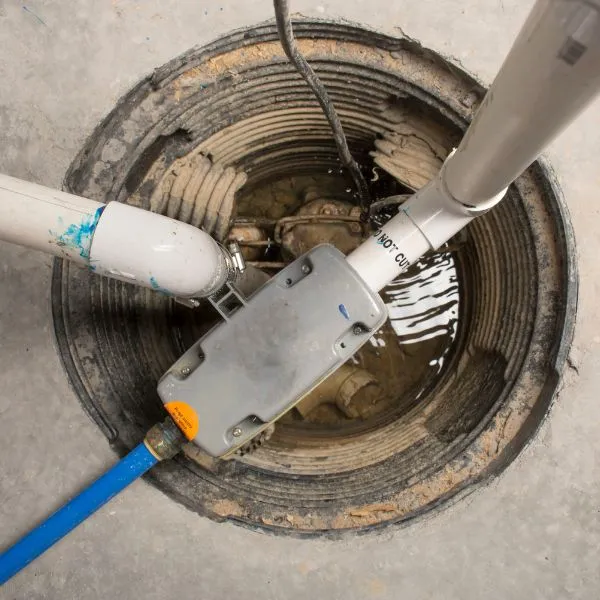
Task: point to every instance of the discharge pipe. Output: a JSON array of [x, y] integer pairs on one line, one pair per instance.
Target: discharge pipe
[[548, 78], [114, 239]]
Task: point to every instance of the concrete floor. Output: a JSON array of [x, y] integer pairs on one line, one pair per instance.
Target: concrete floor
[[533, 533]]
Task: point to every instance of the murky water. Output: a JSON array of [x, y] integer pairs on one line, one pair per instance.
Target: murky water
[[408, 353], [423, 304]]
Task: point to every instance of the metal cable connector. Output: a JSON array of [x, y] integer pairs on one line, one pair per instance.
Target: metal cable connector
[[165, 440]]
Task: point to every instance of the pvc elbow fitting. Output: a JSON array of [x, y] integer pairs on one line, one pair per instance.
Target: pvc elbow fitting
[[148, 249]]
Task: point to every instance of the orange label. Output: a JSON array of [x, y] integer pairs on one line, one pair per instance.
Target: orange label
[[185, 417]]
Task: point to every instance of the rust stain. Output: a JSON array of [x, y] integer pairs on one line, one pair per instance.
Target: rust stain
[[444, 481], [376, 587], [227, 508], [177, 93], [304, 568], [295, 521], [368, 510], [451, 477]]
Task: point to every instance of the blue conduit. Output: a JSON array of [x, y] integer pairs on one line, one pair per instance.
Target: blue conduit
[[65, 519]]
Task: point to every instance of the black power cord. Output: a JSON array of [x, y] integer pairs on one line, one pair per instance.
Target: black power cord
[[286, 36]]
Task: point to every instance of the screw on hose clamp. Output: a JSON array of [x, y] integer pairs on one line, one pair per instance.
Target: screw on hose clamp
[[235, 260]]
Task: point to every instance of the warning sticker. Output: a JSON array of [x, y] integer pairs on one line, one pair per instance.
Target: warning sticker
[[185, 417]]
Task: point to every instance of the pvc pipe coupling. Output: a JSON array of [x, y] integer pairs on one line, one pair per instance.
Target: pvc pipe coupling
[[425, 222], [438, 214]]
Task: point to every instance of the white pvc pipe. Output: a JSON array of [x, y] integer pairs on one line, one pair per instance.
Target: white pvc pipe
[[48, 220], [425, 222], [148, 249], [388, 251], [549, 77], [114, 239], [551, 74]]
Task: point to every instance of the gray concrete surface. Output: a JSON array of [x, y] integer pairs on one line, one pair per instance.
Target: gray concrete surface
[[533, 533]]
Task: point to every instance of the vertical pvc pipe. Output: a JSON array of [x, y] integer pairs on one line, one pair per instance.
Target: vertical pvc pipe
[[548, 78], [550, 75]]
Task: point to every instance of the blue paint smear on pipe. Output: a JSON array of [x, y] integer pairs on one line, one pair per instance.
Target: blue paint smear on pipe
[[157, 287], [79, 237]]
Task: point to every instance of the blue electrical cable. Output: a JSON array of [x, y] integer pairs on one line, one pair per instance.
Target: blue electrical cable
[[65, 519]]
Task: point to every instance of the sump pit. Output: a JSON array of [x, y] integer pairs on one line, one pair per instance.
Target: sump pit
[[233, 123]]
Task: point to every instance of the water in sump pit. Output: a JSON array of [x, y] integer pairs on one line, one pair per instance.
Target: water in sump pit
[[423, 304], [408, 353]]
